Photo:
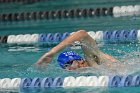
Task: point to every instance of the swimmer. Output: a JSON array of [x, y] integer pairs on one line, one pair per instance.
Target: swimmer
[[70, 60]]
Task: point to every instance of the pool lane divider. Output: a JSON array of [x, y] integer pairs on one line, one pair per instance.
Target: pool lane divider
[[123, 36], [34, 38], [116, 11], [107, 37], [81, 81]]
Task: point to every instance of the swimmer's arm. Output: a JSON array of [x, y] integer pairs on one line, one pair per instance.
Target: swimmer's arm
[[77, 36], [111, 58]]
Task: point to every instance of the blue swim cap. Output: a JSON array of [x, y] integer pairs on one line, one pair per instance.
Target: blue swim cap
[[67, 56]]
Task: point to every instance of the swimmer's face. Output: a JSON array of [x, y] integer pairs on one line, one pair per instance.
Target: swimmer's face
[[75, 64]]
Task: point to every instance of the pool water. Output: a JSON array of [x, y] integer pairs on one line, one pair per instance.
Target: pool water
[[19, 61]]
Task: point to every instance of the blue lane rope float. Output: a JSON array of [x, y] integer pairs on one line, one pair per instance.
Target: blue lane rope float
[[46, 82], [87, 81], [36, 82], [65, 35], [57, 37], [115, 36], [46, 38], [25, 83], [133, 36], [108, 37], [126, 81], [49, 37], [58, 82], [42, 37], [123, 36], [114, 81], [136, 80]]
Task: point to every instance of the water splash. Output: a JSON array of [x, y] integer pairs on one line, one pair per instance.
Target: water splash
[[129, 64]]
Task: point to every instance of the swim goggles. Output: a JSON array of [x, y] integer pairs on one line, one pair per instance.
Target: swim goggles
[[69, 63]]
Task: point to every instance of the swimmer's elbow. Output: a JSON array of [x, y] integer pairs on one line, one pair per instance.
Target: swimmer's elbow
[[82, 32]]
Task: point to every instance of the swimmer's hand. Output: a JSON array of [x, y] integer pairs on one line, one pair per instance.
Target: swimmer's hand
[[45, 58]]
